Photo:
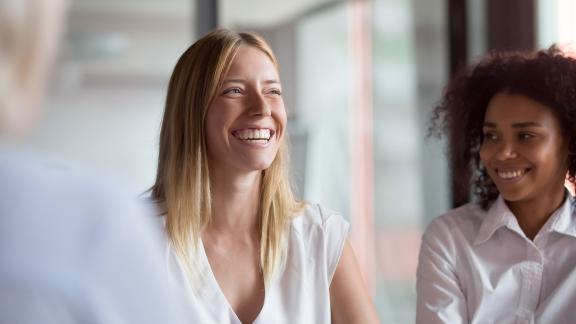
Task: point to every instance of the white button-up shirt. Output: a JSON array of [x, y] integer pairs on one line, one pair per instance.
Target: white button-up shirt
[[478, 266]]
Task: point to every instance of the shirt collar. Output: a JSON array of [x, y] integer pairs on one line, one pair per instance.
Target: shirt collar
[[563, 220], [497, 216]]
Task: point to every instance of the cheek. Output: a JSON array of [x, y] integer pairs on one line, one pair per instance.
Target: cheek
[[214, 129], [546, 152], [218, 120], [561, 157], [210, 130], [549, 157], [282, 119], [211, 142]]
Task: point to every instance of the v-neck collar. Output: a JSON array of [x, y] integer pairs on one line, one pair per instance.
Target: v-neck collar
[[215, 288]]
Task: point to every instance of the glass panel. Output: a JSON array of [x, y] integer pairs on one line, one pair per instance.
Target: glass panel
[[411, 176], [323, 96]]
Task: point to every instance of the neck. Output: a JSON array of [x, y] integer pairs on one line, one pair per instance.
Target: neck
[[533, 214], [235, 202]]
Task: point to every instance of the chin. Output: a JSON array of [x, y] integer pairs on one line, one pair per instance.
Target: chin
[[515, 196], [256, 165], [511, 198], [262, 167]]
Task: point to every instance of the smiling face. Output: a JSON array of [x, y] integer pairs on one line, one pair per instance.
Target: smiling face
[[523, 149], [246, 122]]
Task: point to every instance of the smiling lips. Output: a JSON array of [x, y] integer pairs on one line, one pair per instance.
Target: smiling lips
[[254, 135], [511, 174]]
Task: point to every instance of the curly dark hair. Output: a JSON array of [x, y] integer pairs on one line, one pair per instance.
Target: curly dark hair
[[547, 76]]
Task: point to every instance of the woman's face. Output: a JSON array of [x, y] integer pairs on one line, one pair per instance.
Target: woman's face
[[246, 122], [523, 149]]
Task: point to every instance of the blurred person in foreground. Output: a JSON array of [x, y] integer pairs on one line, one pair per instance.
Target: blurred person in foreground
[[72, 249]]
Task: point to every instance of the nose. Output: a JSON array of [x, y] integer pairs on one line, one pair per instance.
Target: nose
[[259, 106], [506, 151]]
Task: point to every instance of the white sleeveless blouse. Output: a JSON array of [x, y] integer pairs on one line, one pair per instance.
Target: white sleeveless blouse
[[299, 293]]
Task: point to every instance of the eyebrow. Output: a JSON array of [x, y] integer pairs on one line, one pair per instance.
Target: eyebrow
[[515, 125], [271, 81]]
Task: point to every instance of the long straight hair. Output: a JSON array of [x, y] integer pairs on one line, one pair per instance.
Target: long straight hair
[[182, 187]]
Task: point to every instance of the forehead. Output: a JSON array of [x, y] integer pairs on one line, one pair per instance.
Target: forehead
[[250, 61], [506, 108]]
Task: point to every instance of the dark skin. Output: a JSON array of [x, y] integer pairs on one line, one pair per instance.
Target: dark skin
[[525, 154], [532, 215]]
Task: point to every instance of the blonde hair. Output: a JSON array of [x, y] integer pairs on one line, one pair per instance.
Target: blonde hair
[[182, 184], [29, 30]]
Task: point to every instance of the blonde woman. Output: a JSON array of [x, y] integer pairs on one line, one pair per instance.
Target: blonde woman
[[244, 250]]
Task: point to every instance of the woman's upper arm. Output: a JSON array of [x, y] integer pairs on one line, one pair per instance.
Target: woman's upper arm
[[439, 295], [349, 299]]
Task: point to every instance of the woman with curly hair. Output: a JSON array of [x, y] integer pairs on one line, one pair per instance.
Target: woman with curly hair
[[509, 256]]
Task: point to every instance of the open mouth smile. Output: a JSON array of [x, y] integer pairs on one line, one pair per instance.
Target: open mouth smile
[[254, 135], [511, 174]]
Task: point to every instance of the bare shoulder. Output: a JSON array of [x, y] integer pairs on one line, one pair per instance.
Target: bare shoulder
[[349, 297]]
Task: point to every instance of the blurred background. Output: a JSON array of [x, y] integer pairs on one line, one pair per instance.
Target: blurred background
[[360, 80]]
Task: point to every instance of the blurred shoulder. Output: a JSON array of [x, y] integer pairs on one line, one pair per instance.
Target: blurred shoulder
[[66, 202], [47, 180]]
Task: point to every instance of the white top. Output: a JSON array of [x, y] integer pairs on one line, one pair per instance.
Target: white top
[[74, 249], [479, 267], [299, 293]]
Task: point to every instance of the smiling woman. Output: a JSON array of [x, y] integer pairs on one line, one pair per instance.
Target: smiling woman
[[241, 247], [245, 124], [525, 154], [509, 257]]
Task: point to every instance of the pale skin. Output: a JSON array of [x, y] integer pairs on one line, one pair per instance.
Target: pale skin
[[232, 242], [251, 99]]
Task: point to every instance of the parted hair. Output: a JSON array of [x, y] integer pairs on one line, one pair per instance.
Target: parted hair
[[182, 186]]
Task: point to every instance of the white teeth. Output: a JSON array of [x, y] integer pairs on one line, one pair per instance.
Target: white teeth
[[510, 174], [261, 141], [254, 135]]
